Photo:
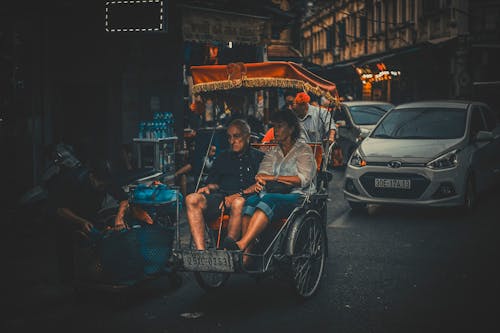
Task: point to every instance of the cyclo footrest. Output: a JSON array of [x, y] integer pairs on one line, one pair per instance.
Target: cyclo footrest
[[209, 260]]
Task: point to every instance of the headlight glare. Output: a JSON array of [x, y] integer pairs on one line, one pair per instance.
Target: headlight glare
[[445, 161]]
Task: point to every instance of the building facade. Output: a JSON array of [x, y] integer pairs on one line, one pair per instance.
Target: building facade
[[395, 50]]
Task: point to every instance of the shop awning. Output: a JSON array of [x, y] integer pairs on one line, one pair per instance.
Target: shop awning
[[277, 74]]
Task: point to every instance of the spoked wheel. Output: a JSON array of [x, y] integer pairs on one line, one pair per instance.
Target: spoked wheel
[[211, 281], [307, 246]]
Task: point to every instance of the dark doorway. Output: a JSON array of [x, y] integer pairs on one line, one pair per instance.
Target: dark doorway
[[82, 120]]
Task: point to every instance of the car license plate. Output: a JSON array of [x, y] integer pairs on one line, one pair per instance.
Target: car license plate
[[208, 261], [404, 184]]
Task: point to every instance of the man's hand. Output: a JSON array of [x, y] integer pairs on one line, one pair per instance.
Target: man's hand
[[228, 200], [119, 224], [203, 190], [86, 226], [331, 136]]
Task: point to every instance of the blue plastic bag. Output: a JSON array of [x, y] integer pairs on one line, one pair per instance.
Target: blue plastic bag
[[154, 195]]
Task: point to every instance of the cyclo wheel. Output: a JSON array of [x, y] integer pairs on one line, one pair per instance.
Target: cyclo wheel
[[307, 248], [210, 281]]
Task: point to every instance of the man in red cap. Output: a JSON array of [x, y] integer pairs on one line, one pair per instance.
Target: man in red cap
[[315, 122]]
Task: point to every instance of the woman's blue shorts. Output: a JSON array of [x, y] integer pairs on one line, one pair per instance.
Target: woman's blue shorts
[[274, 205]]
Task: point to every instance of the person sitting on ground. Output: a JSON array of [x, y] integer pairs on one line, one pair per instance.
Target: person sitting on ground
[[315, 122], [228, 182], [76, 198], [290, 162]]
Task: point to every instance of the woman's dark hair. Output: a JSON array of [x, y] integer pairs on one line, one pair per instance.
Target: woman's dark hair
[[287, 116]]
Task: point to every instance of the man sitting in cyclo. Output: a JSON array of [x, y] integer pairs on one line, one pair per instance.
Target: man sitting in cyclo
[[230, 179], [290, 168]]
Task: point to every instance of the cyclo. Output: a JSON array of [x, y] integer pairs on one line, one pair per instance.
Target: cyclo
[[294, 248]]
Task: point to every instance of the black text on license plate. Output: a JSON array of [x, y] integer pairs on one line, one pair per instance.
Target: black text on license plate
[[404, 184], [208, 261]]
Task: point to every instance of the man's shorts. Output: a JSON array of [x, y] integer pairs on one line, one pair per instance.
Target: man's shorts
[[213, 202]]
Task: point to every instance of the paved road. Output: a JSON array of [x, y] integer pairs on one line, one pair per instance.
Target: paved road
[[389, 270]]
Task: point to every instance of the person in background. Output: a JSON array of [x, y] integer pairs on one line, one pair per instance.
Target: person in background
[[77, 198], [228, 182], [289, 98], [185, 171], [315, 122], [126, 157]]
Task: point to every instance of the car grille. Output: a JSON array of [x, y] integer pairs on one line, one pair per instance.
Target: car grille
[[418, 185]]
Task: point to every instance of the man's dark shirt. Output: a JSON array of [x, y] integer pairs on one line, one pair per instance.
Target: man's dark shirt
[[73, 190], [235, 172]]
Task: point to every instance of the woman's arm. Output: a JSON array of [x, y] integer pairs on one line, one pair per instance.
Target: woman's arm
[[306, 165], [290, 180]]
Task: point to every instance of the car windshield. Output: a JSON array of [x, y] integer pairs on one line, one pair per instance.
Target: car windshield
[[422, 123], [368, 114]]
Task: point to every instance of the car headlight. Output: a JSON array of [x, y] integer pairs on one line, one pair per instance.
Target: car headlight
[[357, 160], [445, 161]]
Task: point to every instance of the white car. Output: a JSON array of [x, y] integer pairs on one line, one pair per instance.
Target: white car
[[355, 120], [436, 153]]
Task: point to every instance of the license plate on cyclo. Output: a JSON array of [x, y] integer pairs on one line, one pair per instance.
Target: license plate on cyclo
[[208, 261], [404, 184]]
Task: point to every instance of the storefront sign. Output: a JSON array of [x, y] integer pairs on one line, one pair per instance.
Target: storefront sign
[[204, 25]]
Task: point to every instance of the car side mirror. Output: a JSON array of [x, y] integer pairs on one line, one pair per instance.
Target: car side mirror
[[341, 123], [483, 136]]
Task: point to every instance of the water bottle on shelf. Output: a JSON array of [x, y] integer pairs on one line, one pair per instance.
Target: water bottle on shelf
[[142, 130], [170, 124], [149, 130]]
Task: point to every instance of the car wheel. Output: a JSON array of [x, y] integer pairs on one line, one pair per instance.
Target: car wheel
[[470, 196], [357, 207]]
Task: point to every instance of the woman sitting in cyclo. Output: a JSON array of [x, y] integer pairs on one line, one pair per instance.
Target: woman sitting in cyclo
[[285, 175]]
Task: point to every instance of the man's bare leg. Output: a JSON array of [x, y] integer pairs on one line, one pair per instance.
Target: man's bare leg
[[195, 204], [234, 226]]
